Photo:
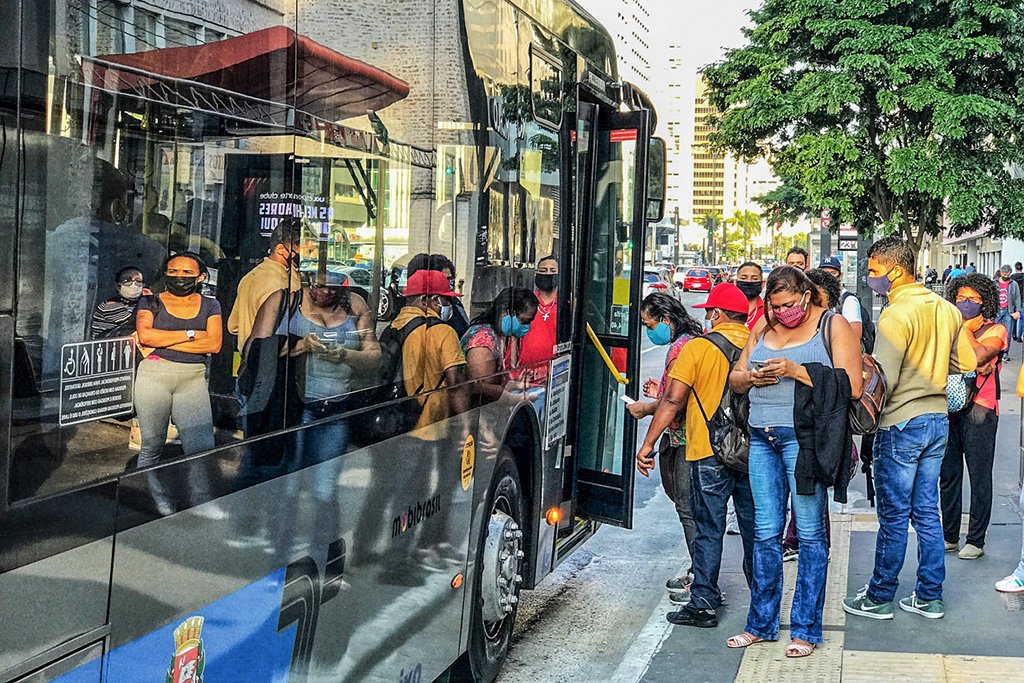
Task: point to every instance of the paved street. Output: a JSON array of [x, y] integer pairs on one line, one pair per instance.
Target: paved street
[[601, 616]]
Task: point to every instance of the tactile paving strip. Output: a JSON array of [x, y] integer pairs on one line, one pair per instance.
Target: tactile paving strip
[[767, 662], [906, 667]]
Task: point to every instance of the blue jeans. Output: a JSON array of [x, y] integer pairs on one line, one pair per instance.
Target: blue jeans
[[711, 486], [773, 453], [1004, 319], [907, 465], [1019, 326], [1019, 571]]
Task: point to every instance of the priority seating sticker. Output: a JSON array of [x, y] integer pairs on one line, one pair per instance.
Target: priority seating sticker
[[468, 461]]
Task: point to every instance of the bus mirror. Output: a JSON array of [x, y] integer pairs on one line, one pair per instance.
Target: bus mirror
[[655, 180]]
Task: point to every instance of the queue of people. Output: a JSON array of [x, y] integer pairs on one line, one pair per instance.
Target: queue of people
[[786, 379]]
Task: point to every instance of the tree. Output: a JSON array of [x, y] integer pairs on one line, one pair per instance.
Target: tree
[[711, 220], [746, 223], [891, 113]]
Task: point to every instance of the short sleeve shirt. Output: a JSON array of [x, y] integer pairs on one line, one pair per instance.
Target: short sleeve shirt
[[677, 428], [987, 396], [706, 370], [163, 320], [851, 308]]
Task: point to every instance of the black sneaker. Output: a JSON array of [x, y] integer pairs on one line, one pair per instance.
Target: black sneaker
[[698, 618]]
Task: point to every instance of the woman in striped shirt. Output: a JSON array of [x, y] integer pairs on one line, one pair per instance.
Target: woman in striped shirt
[[115, 317]]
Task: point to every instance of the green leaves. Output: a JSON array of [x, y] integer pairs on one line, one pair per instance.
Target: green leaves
[[889, 112]]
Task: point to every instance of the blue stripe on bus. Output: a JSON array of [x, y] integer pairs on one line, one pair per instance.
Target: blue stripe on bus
[[239, 637]]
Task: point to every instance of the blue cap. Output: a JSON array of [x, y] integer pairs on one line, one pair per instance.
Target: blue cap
[[831, 262]]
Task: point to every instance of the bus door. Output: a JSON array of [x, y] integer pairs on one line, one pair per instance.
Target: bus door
[[612, 156]]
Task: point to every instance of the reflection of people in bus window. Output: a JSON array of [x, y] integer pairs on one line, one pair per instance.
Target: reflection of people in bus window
[[115, 317], [333, 332], [492, 342], [180, 328], [458, 320], [84, 254], [539, 343]]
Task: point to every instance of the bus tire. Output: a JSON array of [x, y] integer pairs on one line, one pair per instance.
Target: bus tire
[[499, 575]]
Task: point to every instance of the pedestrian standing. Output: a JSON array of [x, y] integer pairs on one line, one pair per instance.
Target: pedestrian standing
[[668, 324], [1014, 583], [793, 352], [1018, 278], [1009, 305], [750, 280], [972, 431], [921, 339], [697, 380]]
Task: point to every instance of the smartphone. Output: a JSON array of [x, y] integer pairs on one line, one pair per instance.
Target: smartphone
[[627, 400], [758, 365]]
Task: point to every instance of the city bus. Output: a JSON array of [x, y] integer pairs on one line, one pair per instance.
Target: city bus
[[496, 134]]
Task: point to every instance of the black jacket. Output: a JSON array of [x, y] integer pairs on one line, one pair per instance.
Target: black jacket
[[823, 432]]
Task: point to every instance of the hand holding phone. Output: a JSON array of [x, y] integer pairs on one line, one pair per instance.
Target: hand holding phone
[[627, 400]]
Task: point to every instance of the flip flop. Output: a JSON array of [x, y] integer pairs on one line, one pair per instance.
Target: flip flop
[[796, 650], [743, 640]]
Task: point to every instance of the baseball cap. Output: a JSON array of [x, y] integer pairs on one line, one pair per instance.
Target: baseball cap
[[831, 262], [727, 297], [427, 282]]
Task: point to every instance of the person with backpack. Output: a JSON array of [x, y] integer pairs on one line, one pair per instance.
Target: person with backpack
[[794, 354], [494, 339], [851, 307], [921, 340], [698, 381], [972, 429], [669, 324]]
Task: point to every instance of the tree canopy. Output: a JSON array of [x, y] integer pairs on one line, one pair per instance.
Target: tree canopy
[[891, 113]]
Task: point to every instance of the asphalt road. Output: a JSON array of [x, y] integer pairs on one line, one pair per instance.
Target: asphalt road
[[600, 615]]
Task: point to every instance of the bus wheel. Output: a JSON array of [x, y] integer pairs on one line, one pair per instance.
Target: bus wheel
[[496, 586]]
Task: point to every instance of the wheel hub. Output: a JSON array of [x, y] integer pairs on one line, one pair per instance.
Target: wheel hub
[[501, 577]]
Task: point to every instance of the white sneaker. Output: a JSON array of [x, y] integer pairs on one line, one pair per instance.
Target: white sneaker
[[1011, 584], [212, 512]]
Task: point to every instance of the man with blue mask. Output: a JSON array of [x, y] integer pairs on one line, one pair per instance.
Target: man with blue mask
[[697, 380], [921, 339]]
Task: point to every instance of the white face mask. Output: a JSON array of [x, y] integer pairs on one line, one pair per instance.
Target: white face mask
[[131, 291], [446, 312]]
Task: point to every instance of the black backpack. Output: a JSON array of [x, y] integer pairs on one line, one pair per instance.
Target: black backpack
[[728, 428], [867, 328], [395, 416]]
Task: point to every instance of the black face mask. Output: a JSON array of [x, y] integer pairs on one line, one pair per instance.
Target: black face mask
[[546, 282], [295, 259], [182, 286], [749, 289]]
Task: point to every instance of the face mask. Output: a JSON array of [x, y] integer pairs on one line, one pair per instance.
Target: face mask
[[295, 260], [792, 316], [546, 282], [750, 289], [1004, 278], [660, 335], [446, 312], [512, 326], [969, 309], [130, 291], [182, 286], [325, 297], [881, 284]]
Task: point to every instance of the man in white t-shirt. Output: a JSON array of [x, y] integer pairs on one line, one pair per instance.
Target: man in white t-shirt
[[849, 304]]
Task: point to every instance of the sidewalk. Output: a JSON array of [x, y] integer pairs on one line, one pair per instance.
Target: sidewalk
[[981, 637]]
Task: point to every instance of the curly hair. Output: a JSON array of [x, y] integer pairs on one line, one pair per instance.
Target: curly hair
[[828, 283], [983, 285]]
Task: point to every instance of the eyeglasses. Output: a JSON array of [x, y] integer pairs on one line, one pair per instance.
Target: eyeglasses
[[132, 280]]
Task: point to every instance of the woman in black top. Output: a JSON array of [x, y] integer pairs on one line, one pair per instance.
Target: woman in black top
[[178, 330]]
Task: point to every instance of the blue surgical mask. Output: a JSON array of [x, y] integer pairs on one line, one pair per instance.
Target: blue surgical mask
[[881, 284], [512, 326], [969, 309], [660, 335]]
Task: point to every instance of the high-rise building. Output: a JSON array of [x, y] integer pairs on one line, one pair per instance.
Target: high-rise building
[[709, 165], [629, 22]]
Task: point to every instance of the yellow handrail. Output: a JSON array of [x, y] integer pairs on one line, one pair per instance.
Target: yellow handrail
[[604, 355]]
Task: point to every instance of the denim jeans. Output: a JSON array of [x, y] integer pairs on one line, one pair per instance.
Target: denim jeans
[[773, 453], [1004, 319], [907, 465], [1019, 571], [711, 486]]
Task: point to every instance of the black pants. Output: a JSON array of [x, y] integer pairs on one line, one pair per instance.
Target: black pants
[[711, 485], [972, 438], [675, 477]]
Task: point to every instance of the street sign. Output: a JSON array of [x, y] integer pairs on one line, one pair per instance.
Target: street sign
[[847, 244], [825, 221], [826, 214]]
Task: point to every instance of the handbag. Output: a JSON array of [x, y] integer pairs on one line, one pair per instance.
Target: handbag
[[962, 388], [865, 413]]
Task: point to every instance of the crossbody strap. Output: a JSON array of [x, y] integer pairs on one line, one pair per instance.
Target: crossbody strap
[[720, 342]]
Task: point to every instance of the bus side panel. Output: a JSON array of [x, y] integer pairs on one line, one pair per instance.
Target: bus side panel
[[343, 570]]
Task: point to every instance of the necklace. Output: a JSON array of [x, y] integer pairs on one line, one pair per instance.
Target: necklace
[[545, 310]]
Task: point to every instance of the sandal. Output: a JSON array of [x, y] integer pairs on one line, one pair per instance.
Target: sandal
[[797, 649], [742, 640]]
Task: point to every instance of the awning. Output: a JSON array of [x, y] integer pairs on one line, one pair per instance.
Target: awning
[[271, 66]]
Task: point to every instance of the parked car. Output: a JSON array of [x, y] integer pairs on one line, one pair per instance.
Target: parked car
[[698, 280], [717, 276], [657, 281], [666, 265]]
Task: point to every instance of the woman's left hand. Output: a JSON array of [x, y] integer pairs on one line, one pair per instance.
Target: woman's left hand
[[780, 367]]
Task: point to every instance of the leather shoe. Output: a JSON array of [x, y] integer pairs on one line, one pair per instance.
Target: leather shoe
[[699, 618]]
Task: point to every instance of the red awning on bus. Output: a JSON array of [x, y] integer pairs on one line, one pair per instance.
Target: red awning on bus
[[274, 64]]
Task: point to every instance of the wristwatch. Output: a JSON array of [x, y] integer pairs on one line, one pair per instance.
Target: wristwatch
[[191, 334]]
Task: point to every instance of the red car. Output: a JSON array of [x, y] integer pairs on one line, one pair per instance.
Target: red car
[[697, 279]]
